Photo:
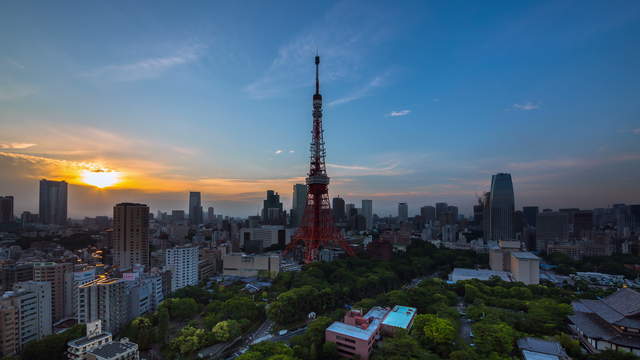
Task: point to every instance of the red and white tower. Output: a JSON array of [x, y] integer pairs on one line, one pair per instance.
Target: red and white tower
[[317, 229]]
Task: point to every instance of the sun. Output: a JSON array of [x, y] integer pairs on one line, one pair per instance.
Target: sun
[[100, 178]]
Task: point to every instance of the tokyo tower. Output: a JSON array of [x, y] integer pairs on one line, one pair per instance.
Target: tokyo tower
[[317, 229]]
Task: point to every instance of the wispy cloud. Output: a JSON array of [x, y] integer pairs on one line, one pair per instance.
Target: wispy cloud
[[147, 68], [278, 152], [363, 91], [391, 169], [16, 146], [636, 131], [399, 113], [343, 37], [526, 106], [10, 92], [565, 163]]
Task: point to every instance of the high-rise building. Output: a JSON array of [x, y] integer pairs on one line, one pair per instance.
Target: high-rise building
[[130, 235], [177, 215], [486, 215], [272, 213], [211, 216], [552, 227], [441, 211], [6, 209], [339, 211], [428, 213], [183, 262], [403, 212], [299, 202], [53, 202], [350, 209], [195, 208], [54, 273], [367, 212], [502, 208], [530, 215], [42, 291], [19, 322], [452, 212], [103, 299]]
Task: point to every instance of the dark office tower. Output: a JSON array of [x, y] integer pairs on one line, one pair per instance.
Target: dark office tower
[[441, 211], [6, 209], [428, 213], [530, 214], [130, 235], [634, 215], [552, 227], [299, 203], [582, 223], [210, 214], [195, 208], [502, 207], [272, 213], [452, 214], [518, 222], [403, 212], [53, 202], [339, 213]]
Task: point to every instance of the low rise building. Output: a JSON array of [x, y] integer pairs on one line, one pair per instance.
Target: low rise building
[[538, 349], [609, 323], [356, 336], [461, 274], [525, 267], [77, 349], [242, 265], [115, 350]]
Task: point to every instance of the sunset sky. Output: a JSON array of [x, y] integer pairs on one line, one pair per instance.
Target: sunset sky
[[423, 100]]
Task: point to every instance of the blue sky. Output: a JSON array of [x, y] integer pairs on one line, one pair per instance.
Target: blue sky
[[423, 100]]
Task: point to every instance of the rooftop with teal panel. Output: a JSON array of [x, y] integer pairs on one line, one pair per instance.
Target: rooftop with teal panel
[[400, 317]]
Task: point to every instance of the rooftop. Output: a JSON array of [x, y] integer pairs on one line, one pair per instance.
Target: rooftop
[[376, 313], [541, 346], [525, 255], [400, 317], [85, 340], [113, 349], [460, 274]]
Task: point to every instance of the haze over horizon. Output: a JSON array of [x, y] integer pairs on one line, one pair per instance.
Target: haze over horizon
[[418, 109]]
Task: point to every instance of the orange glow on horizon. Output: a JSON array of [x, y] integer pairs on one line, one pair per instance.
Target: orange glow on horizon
[[100, 178]]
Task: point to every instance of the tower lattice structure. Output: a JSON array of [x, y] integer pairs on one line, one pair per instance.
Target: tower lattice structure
[[317, 229]]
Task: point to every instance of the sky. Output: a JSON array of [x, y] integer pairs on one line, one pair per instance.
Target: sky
[[423, 101]]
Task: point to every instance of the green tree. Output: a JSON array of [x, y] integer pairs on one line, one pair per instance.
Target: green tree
[[226, 330], [52, 347], [438, 330], [400, 347], [189, 340], [163, 324], [546, 316], [494, 337]]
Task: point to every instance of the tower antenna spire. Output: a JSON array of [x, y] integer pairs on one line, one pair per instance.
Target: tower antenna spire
[[317, 73]]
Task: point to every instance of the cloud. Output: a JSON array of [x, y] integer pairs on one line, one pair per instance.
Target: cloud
[[343, 36], [363, 91], [526, 106], [291, 151], [359, 170], [16, 146], [147, 68], [278, 152], [636, 131], [565, 163], [399, 113], [10, 92]]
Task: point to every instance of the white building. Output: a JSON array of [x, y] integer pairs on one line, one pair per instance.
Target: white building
[[183, 263], [525, 267], [42, 291], [239, 264]]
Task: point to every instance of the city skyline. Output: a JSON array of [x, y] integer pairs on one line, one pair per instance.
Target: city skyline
[[192, 102]]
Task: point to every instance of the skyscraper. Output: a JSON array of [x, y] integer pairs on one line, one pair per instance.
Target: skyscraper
[[299, 202], [210, 214], [367, 212], [502, 207], [130, 235], [183, 262], [195, 208], [403, 212], [53, 202], [55, 274], [272, 213], [6, 209], [441, 211], [339, 210], [530, 214], [428, 213]]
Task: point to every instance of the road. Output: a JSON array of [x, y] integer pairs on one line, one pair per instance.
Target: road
[[285, 338], [465, 324]]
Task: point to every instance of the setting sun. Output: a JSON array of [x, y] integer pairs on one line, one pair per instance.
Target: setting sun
[[100, 178]]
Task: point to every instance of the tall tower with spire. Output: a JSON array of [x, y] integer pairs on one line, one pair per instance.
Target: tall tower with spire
[[317, 229]]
